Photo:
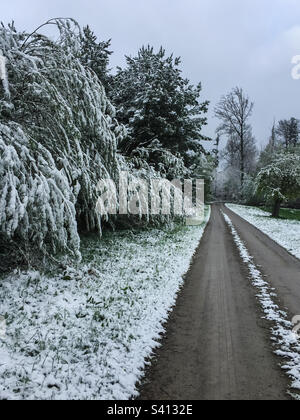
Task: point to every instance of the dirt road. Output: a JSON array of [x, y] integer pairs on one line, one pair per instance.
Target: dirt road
[[217, 347]]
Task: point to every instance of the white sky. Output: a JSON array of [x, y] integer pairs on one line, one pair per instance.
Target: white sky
[[223, 43]]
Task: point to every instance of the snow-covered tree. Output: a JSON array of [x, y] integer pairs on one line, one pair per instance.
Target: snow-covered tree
[[158, 105], [162, 161], [280, 181], [58, 137], [95, 55]]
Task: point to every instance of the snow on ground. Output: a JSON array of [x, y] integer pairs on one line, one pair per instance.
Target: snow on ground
[[286, 341], [285, 232], [85, 333]]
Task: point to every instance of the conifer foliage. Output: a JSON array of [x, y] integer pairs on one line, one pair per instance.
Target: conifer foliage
[[160, 108], [95, 55]]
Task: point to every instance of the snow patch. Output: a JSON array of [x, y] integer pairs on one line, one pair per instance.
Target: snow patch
[[285, 232], [86, 333]]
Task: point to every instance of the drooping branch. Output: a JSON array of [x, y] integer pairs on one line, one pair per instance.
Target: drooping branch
[[52, 21]]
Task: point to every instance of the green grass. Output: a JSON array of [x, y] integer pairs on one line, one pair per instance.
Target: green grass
[[287, 214]]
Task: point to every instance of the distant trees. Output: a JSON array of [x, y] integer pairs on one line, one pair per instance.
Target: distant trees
[[274, 177], [234, 111], [280, 181], [232, 153], [288, 132], [239, 154], [277, 170], [231, 157], [268, 153], [285, 137]]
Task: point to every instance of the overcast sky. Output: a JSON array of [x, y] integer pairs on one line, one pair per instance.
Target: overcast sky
[[223, 43]]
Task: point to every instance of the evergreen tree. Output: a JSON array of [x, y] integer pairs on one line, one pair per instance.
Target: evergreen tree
[[158, 105], [95, 55]]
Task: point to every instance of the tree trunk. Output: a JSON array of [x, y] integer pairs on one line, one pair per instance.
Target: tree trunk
[[276, 209], [242, 163]]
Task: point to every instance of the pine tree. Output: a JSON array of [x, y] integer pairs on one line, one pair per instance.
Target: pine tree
[[158, 105], [95, 55]]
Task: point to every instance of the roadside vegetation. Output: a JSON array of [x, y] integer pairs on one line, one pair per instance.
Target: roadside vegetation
[[287, 214], [284, 231], [85, 331], [270, 177]]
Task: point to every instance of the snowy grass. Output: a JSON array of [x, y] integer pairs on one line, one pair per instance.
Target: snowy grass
[[287, 343], [85, 333], [285, 232], [288, 214]]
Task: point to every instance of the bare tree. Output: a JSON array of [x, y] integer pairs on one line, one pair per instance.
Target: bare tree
[[234, 111], [232, 153]]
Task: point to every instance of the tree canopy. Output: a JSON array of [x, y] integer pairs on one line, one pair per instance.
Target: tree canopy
[[158, 105]]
